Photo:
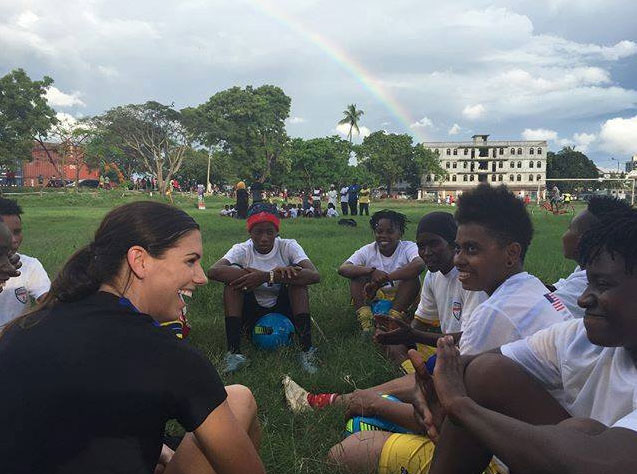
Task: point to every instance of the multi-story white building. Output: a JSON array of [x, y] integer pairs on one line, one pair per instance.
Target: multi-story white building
[[520, 165]]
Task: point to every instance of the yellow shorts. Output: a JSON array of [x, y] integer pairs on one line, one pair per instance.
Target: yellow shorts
[[412, 454], [425, 351]]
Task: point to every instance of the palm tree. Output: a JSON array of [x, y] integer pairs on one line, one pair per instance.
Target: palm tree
[[352, 116]]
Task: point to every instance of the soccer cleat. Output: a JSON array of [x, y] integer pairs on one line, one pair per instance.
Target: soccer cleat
[[295, 395], [309, 360], [234, 362]]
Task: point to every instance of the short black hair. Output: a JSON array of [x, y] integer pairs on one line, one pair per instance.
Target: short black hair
[[601, 206], [616, 235], [397, 219], [9, 207], [500, 211]]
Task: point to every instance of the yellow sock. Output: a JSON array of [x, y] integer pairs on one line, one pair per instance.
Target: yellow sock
[[407, 366], [365, 317], [397, 314]]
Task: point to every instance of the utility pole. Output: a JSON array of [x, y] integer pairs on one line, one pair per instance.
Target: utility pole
[[208, 185]]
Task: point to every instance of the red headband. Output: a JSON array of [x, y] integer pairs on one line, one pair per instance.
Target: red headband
[[263, 217]]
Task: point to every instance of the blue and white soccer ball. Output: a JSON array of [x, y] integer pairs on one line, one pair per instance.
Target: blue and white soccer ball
[[272, 331]]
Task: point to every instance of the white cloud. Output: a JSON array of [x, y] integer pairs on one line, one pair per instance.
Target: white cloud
[[583, 141], [424, 122], [619, 135], [108, 71], [343, 130], [27, 20], [57, 98], [295, 120], [473, 112], [66, 120], [455, 129], [539, 134]]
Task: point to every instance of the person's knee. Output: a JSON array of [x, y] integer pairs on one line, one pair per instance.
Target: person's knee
[[487, 376], [241, 396]]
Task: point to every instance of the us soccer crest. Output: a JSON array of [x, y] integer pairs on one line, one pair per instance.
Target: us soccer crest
[[456, 310], [21, 294]]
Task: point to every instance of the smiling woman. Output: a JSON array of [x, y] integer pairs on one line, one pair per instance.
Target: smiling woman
[[90, 378]]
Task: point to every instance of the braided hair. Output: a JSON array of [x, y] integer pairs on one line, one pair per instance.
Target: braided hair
[[396, 218]]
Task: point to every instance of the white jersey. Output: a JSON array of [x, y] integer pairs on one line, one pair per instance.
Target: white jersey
[[443, 299], [332, 196], [519, 307], [369, 256], [589, 381], [569, 289], [345, 194], [285, 252], [332, 212], [33, 282]]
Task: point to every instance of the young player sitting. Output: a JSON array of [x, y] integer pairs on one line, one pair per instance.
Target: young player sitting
[[443, 301], [265, 274], [331, 211], [225, 212], [494, 233], [570, 288], [33, 282], [389, 264], [562, 400]]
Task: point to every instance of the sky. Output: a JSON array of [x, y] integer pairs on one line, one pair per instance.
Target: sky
[[558, 70]]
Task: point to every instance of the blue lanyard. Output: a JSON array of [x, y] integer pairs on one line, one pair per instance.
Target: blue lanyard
[[127, 304]]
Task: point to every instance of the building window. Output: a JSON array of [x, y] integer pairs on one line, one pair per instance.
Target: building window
[[499, 177], [448, 151], [492, 177], [531, 151], [427, 178], [539, 164], [519, 151], [512, 164], [531, 177], [511, 177], [453, 178], [464, 177], [447, 165], [470, 177], [519, 164], [500, 164], [466, 151], [538, 177], [464, 165], [454, 165], [519, 177], [495, 152], [455, 151], [513, 151], [531, 163], [539, 151], [502, 151], [436, 151]]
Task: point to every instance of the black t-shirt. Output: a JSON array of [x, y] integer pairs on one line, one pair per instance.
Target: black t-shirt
[[88, 386]]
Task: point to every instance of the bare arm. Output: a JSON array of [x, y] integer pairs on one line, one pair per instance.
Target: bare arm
[[224, 272], [307, 275], [349, 270], [409, 271], [226, 445]]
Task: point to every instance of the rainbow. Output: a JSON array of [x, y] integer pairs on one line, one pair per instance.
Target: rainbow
[[343, 59]]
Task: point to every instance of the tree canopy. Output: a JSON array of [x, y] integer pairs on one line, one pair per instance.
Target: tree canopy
[[569, 163]]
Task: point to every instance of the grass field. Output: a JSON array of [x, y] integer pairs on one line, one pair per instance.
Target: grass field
[[56, 225]]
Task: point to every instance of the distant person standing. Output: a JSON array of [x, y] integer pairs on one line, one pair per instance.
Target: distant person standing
[[344, 199], [332, 196], [352, 192], [241, 204], [316, 201], [257, 191], [556, 198], [364, 198]]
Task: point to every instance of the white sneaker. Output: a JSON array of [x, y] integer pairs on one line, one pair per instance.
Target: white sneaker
[[233, 362], [295, 395]]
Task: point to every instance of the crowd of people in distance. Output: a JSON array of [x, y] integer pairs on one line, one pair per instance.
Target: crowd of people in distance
[[503, 373]]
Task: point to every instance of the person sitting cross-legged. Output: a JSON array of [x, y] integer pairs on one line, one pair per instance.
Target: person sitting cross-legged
[[265, 274], [570, 288], [562, 400], [389, 264]]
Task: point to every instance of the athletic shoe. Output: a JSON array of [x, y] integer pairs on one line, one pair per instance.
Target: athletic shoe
[[234, 362], [295, 395], [309, 360]]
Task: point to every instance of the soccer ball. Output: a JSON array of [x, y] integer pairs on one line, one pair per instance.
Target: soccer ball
[[272, 331], [373, 423]]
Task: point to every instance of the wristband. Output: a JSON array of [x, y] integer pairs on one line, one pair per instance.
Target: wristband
[[271, 279]]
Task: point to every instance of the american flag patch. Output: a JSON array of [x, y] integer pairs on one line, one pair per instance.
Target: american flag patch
[[555, 301]]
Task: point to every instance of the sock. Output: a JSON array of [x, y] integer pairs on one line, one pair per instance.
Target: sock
[[303, 325], [233, 334], [321, 400], [365, 318]]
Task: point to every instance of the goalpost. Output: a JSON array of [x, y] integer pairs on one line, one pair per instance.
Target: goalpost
[[627, 182]]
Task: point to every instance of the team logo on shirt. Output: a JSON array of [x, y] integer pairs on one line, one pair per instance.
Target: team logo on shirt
[[21, 294], [456, 310]]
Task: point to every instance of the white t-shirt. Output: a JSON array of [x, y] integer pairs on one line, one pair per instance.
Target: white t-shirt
[[369, 256], [293, 212], [332, 212], [569, 289], [344, 194], [33, 282], [284, 252], [443, 299], [332, 194], [588, 380], [518, 308], [316, 195]]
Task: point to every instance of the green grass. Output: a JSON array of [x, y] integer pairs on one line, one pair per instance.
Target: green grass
[[57, 224]]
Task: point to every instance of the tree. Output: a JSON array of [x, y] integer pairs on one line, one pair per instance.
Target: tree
[[72, 136], [316, 162], [25, 115], [154, 132], [569, 163], [249, 124], [352, 116], [424, 162], [195, 167], [387, 156]]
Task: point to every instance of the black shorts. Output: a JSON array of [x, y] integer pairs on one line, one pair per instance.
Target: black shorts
[[252, 310]]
